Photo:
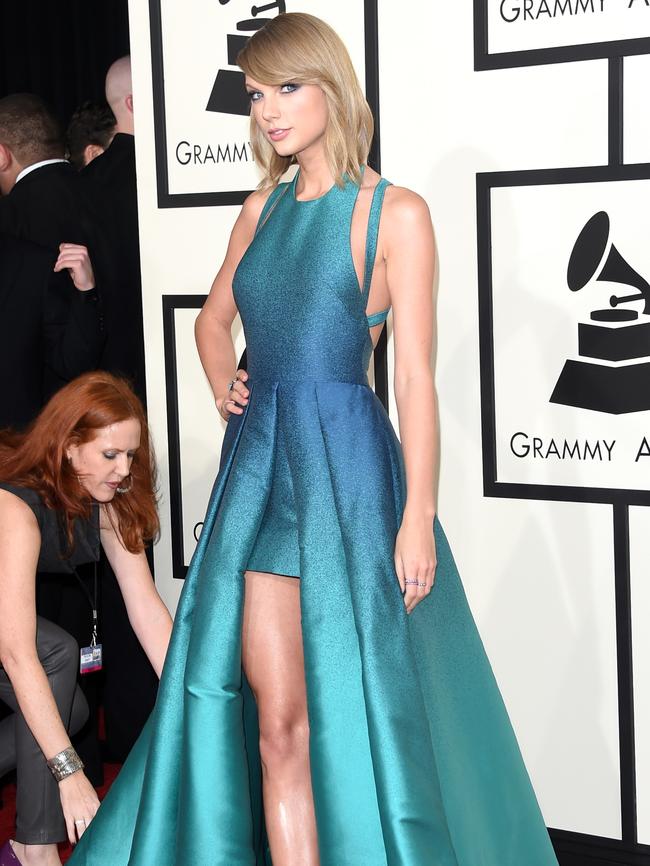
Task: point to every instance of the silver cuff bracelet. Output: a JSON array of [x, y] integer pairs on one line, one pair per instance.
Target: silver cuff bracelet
[[65, 764]]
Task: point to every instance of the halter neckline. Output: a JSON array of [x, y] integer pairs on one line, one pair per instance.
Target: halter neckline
[[308, 200]]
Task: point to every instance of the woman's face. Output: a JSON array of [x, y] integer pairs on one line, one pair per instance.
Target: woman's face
[[293, 117], [104, 462]]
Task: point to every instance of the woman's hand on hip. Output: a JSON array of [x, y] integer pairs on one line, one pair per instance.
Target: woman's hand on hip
[[236, 397], [415, 559], [79, 802]]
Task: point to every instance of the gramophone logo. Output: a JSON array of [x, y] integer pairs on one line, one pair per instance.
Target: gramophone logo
[[613, 372], [228, 93]]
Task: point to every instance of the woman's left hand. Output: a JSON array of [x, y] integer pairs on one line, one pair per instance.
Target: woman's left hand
[[415, 558]]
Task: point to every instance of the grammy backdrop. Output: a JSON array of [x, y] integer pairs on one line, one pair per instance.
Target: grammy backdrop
[[524, 124]]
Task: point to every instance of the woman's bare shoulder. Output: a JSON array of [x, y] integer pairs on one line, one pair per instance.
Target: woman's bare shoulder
[[254, 204], [15, 512], [405, 204], [245, 225], [20, 543], [405, 222], [399, 202]]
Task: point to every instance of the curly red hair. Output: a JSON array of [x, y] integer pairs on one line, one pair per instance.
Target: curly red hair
[[37, 457]]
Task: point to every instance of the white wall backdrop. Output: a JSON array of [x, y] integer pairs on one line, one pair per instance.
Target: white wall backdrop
[[637, 115], [539, 575]]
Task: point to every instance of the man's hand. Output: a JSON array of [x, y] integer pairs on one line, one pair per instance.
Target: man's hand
[[75, 259]]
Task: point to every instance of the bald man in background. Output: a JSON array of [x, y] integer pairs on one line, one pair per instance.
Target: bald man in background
[[109, 187], [108, 184]]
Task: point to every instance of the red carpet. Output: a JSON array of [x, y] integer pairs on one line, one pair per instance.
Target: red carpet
[[8, 811]]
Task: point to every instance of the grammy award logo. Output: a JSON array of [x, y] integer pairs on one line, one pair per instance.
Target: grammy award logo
[[616, 379], [228, 92]]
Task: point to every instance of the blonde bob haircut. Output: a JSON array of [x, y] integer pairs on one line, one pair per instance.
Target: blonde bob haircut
[[301, 49]]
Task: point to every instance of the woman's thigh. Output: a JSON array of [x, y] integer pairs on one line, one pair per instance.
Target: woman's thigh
[[272, 653]]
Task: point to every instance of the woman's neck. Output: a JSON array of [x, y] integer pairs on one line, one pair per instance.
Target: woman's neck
[[315, 175]]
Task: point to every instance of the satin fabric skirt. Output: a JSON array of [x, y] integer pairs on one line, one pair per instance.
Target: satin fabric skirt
[[413, 758]]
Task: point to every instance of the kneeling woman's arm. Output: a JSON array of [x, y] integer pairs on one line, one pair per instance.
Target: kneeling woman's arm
[[20, 543], [147, 613]]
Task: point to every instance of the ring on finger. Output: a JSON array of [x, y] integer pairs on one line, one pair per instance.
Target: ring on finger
[[80, 821], [231, 383]]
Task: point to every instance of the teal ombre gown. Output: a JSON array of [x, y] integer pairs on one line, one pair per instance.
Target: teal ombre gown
[[413, 759]]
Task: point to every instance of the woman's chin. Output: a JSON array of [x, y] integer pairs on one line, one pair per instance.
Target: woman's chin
[[103, 493], [283, 149]]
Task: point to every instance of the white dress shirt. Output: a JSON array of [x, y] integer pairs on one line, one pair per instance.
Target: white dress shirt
[[36, 165]]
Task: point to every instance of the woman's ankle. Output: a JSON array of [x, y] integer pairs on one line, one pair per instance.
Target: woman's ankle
[[36, 855]]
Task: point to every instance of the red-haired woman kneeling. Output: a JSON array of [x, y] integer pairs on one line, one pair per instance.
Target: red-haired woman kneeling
[[82, 474]]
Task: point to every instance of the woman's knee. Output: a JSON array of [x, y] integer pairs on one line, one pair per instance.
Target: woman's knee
[[57, 650], [283, 739]]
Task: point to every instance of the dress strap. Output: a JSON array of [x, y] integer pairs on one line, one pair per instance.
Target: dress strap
[[372, 234], [270, 204], [378, 318]]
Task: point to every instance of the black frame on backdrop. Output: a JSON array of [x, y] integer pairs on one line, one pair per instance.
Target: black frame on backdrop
[[484, 60], [171, 303], [485, 183], [235, 197]]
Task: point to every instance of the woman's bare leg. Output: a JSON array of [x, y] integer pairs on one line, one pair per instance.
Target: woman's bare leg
[[272, 657]]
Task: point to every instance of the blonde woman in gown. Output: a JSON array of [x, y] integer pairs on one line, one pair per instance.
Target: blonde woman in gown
[[326, 699]]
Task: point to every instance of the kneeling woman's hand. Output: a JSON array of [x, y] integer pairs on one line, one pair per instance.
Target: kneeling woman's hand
[[415, 558], [79, 802]]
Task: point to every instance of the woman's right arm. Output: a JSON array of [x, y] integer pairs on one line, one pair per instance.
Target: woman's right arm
[[213, 324], [20, 542]]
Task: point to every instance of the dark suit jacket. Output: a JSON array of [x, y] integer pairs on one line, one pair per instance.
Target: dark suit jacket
[[49, 331], [109, 189], [45, 207]]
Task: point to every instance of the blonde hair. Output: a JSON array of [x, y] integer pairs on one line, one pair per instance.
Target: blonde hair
[[298, 48]]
